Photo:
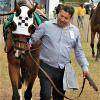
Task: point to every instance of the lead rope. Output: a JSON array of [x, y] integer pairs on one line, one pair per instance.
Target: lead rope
[[53, 82], [84, 79], [49, 78]]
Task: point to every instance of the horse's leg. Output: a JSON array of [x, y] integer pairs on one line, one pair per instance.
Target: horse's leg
[[20, 88], [98, 48], [92, 42], [20, 93], [30, 81], [32, 64], [28, 92], [33, 72], [14, 73]]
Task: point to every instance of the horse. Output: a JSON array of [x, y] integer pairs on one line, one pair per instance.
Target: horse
[[22, 68], [95, 28]]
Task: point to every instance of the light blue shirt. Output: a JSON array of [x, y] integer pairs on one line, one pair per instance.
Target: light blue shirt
[[57, 44]]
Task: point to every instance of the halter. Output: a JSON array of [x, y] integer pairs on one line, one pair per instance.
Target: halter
[[21, 35], [22, 22]]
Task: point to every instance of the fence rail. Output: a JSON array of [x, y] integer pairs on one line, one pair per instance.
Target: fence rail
[[73, 3]]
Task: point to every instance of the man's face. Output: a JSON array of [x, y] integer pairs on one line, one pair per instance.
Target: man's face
[[63, 19]]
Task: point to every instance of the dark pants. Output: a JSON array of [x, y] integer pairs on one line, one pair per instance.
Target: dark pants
[[46, 88], [80, 21]]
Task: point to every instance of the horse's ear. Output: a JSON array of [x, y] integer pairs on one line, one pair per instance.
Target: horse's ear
[[18, 10], [31, 29], [31, 10]]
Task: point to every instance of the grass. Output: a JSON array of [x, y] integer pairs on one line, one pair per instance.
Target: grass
[[94, 68], [88, 93]]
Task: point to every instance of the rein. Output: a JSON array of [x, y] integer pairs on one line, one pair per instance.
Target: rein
[[48, 77], [84, 79]]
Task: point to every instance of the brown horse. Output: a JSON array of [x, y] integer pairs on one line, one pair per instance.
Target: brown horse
[[95, 28], [21, 66]]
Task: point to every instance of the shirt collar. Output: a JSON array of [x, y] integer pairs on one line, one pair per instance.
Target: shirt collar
[[67, 27]]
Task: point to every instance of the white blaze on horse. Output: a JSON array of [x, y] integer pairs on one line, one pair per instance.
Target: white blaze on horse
[[21, 66], [95, 28]]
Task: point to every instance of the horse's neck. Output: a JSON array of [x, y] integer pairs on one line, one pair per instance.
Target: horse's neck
[[96, 15], [98, 9]]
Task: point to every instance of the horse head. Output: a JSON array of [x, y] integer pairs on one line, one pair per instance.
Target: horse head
[[16, 36], [22, 28]]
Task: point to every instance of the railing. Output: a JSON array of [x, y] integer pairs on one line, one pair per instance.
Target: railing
[[73, 3]]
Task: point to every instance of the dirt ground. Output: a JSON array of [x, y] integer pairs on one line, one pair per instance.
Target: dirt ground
[[88, 93]]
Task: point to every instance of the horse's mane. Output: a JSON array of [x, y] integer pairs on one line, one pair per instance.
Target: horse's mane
[[28, 3]]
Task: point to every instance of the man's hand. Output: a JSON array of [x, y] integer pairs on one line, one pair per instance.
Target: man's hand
[[30, 43], [90, 80], [85, 74]]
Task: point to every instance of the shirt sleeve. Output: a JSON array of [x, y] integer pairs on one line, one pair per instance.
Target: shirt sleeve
[[80, 56], [38, 34]]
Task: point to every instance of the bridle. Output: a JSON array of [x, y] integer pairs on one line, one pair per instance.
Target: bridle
[[18, 42]]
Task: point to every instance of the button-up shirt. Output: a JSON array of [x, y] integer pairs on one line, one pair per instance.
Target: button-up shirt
[[57, 44]]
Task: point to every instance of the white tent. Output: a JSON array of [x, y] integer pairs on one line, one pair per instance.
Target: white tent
[[51, 4]]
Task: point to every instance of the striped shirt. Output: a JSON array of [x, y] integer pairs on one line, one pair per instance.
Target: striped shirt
[[57, 44]]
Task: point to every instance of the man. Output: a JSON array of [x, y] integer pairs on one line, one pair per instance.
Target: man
[[81, 13], [58, 37]]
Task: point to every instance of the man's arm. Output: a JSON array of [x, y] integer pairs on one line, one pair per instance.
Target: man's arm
[[79, 53], [39, 32]]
